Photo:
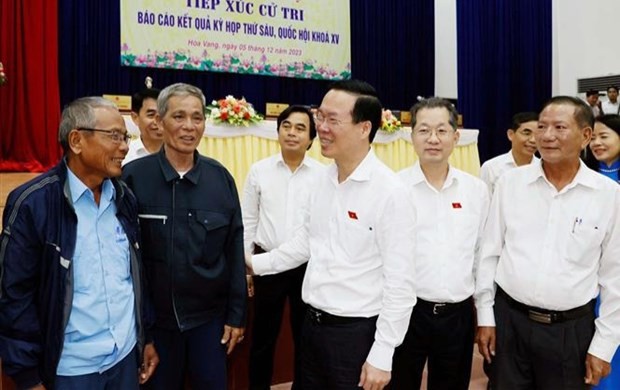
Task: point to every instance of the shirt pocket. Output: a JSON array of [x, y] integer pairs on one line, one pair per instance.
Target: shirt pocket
[[358, 239], [83, 271], [584, 242], [465, 231], [209, 231], [154, 227]]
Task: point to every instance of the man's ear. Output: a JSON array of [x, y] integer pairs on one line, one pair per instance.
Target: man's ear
[[134, 118], [76, 141], [510, 133], [587, 137], [366, 127]]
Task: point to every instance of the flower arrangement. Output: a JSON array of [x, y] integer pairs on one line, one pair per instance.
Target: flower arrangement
[[389, 123], [2, 75], [233, 111]]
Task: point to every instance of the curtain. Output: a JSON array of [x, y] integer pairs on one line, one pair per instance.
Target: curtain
[[392, 48], [55, 51], [29, 102], [504, 65]]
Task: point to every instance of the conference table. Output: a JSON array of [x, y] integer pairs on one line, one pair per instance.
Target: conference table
[[237, 148]]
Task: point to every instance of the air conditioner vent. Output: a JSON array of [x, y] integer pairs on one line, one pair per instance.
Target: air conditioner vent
[[597, 83]]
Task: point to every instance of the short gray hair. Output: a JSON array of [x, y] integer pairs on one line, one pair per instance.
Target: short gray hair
[[435, 102], [80, 113], [178, 89]]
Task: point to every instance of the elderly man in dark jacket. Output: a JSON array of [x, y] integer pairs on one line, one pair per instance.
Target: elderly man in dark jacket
[[192, 233], [71, 302]]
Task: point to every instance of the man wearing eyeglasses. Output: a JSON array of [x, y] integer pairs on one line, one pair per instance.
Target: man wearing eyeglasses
[[71, 297], [192, 236], [451, 208], [359, 282]]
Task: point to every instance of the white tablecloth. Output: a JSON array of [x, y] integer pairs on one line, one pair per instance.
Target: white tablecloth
[[267, 129]]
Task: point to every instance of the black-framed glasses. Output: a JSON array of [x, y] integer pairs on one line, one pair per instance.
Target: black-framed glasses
[[115, 135]]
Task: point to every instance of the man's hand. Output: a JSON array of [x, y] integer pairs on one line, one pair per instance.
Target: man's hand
[[231, 337], [150, 360], [38, 387], [250, 281], [248, 264], [596, 369], [373, 378], [485, 338]]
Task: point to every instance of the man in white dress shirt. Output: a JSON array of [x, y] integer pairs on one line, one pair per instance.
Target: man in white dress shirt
[[612, 105], [276, 192], [521, 136], [451, 207], [359, 284], [523, 147], [143, 114], [551, 243], [593, 102]]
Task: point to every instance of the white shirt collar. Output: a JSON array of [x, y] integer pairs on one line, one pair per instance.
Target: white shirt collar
[[585, 176]]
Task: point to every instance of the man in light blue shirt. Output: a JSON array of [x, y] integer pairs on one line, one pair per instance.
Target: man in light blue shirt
[[102, 325], [71, 302]]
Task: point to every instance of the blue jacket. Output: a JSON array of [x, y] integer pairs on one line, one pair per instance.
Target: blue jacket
[[36, 247], [193, 241]]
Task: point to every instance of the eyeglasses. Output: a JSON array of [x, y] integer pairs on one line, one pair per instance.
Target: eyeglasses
[[115, 135], [426, 133], [319, 119]]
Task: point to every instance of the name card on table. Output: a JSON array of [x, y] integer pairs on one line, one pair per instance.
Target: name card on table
[[405, 117], [275, 109], [123, 102]]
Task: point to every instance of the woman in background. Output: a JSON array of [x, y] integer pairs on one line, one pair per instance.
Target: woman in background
[[604, 157], [604, 153]]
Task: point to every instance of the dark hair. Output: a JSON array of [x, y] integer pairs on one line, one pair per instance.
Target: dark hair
[[434, 102], [591, 92], [583, 113], [301, 109], [367, 106], [522, 117], [138, 98], [612, 87], [613, 122]]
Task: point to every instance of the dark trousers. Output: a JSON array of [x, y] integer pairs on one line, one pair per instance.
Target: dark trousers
[[333, 355], [270, 294], [123, 375], [445, 337], [197, 351], [531, 355]]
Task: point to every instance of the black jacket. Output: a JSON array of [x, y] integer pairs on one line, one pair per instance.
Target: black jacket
[[192, 238]]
